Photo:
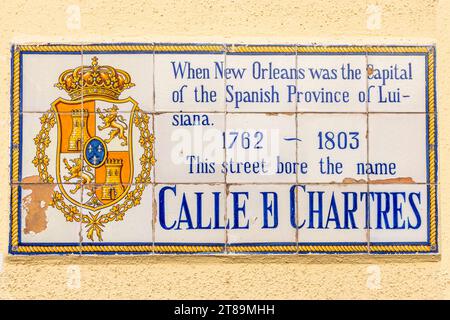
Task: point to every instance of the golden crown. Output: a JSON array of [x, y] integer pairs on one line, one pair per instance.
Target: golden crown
[[94, 80]]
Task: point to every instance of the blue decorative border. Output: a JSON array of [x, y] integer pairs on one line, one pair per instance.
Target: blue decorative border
[[227, 49]]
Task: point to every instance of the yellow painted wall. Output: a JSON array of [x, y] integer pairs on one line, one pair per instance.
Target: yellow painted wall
[[251, 21]]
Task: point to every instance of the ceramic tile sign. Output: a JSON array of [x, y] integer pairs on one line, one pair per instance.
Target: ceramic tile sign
[[223, 149]]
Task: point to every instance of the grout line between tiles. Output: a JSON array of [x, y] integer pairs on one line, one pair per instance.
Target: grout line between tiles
[[288, 183], [225, 153], [153, 184], [367, 155], [297, 146], [80, 231], [255, 112], [155, 142]]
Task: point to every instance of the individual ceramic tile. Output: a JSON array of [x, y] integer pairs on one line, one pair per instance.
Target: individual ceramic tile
[[332, 148], [189, 81], [118, 216], [397, 83], [332, 218], [260, 82], [402, 217], [260, 219], [121, 78], [260, 148], [47, 215], [190, 218], [330, 83], [50, 148], [189, 147], [397, 148], [40, 78]]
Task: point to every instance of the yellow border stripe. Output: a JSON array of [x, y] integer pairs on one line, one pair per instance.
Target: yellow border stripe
[[48, 48], [266, 248], [48, 249], [324, 49], [334, 248], [188, 248], [433, 227], [262, 49], [15, 152], [131, 248], [15, 117], [15, 164], [431, 151], [15, 216], [431, 121], [16, 96], [400, 248], [362, 49], [86, 47], [405, 49], [188, 47], [215, 48], [131, 47]]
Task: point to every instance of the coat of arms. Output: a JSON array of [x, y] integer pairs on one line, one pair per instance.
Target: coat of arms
[[99, 137]]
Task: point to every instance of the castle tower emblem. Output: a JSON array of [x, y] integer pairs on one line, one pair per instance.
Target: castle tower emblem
[[113, 184], [79, 129], [94, 148]]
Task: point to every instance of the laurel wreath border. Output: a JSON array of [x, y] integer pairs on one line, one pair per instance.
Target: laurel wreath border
[[96, 222]]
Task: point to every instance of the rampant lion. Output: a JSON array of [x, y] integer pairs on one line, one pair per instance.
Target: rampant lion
[[115, 122], [77, 171]]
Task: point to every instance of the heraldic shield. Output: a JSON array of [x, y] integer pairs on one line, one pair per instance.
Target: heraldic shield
[[96, 147]]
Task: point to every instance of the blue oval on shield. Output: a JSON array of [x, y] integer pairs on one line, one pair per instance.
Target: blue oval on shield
[[95, 152]]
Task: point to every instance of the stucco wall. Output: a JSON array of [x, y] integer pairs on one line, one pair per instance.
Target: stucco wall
[[251, 21]]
